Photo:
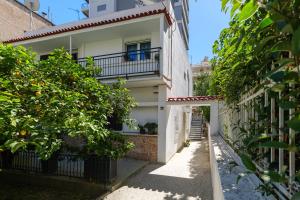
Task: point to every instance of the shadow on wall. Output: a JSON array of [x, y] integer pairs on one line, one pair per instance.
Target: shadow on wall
[[185, 176]]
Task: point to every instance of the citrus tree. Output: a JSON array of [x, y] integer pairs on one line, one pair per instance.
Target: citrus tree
[[42, 102]]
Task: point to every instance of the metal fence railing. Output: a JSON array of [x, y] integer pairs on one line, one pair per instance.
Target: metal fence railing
[[91, 167], [274, 124], [126, 64]]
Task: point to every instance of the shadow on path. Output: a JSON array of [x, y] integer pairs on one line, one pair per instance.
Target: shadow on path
[[186, 176]]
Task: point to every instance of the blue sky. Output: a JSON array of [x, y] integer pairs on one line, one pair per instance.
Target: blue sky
[[206, 22]]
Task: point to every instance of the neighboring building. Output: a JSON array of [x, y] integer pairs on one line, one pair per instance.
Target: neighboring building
[[203, 67], [143, 45], [96, 8], [15, 20]]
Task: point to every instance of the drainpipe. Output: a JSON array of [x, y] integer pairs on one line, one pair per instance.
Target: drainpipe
[[70, 50]]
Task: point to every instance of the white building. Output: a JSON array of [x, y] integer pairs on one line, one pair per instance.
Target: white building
[[143, 45]]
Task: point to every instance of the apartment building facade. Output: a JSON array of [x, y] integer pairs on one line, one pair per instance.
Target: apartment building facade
[[96, 8], [15, 20], [144, 46]]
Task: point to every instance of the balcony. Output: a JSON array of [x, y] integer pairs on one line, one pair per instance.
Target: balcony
[[126, 64], [85, 9]]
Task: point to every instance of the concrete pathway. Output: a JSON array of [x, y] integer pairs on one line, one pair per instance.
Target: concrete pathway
[[185, 177]]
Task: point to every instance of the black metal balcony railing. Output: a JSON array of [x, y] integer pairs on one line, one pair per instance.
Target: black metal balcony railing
[[126, 64]]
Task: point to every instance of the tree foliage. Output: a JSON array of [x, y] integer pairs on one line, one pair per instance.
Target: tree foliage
[[202, 88], [42, 102]]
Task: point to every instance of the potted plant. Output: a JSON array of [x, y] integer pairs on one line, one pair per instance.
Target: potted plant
[[100, 163], [142, 129], [151, 128]]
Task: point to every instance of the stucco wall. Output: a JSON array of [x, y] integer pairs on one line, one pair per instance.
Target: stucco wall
[[176, 121], [145, 147], [101, 47], [146, 111], [15, 20], [115, 45]]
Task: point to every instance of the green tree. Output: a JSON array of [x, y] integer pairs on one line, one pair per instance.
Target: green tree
[[41, 102], [202, 88]]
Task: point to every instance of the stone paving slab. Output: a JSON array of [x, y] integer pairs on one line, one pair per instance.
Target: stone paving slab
[[186, 177]]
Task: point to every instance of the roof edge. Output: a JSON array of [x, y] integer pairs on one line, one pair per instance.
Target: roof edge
[[96, 24]]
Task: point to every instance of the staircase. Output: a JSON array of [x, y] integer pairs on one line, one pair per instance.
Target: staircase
[[196, 130]]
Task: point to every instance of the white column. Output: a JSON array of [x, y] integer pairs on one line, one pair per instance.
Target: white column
[[281, 135], [273, 129], [292, 170], [214, 117], [162, 124], [70, 47]]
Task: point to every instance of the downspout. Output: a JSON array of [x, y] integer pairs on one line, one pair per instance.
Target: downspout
[[70, 50]]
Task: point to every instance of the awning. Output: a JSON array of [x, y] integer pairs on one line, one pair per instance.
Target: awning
[[194, 100]]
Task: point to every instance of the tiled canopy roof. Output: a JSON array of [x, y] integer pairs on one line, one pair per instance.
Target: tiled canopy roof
[[195, 98], [95, 24]]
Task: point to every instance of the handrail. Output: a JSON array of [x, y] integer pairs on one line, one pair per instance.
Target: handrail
[[126, 64], [120, 53]]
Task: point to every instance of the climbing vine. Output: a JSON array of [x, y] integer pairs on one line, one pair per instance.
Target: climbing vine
[[261, 50]]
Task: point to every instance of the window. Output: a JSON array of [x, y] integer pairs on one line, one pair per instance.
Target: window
[[101, 8], [132, 52], [145, 50], [139, 51]]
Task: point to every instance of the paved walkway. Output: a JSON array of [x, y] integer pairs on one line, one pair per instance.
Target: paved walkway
[[185, 177]]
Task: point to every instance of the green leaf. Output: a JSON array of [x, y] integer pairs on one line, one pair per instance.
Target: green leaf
[[248, 162], [291, 77], [265, 22], [248, 10], [296, 42], [277, 76], [296, 3], [224, 4], [278, 88], [288, 104], [15, 145], [235, 6], [296, 196], [294, 123], [276, 177], [274, 144], [241, 175], [282, 46]]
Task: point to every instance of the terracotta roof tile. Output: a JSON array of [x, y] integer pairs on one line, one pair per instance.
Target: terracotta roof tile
[[94, 24], [195, 98]]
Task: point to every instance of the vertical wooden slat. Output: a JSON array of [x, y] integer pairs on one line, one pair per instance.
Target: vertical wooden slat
[[281, 135], [266, 104], [273, 130], [292, 170], [259, 124]]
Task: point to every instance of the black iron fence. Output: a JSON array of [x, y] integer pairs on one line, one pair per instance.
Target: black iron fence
[[92, 168], [126, 64]]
